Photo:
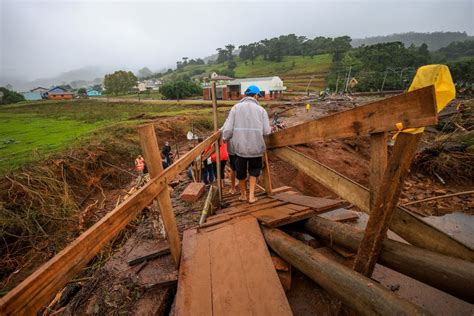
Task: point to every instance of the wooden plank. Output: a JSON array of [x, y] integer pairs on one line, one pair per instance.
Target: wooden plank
[[36, 290], [267, 296], [408, 226], [266, 175], [413, 109], [385, 203], [230, 294], [378, 163], [281, 216], [281, 189], [193, 296], [316, 203], [341, 215], [270, 215], [151, 151], [358, 292]]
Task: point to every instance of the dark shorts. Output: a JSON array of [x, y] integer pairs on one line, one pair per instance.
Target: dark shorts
[[252, 166], [232, 159], [214, 165]]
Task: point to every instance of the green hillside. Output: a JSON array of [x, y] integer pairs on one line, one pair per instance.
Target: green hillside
[[296, 71]]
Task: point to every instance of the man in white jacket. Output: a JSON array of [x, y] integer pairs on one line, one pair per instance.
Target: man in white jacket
[[244, 128]]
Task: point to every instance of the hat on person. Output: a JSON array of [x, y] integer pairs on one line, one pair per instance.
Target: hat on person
[[252, 90]]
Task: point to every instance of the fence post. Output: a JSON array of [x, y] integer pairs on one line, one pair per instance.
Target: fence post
[[151, 153]]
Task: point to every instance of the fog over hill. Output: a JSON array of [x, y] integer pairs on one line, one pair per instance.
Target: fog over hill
[[47, 39]]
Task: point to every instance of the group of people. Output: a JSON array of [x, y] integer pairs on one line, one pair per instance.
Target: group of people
[[242, 145], [166, 156]]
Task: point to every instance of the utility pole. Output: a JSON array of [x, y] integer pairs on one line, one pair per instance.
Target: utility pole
[[348, 78], [337, 82], [217, 144], [383, 82]]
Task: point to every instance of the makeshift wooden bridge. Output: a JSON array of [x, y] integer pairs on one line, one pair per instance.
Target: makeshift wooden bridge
[[224, 265]]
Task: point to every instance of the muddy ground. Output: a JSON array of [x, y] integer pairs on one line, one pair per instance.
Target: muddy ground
[[113, 287]]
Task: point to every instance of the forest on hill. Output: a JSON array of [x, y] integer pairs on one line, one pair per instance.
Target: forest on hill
[[434, 40]]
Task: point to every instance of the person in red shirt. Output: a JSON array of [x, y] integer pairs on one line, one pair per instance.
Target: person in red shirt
[[224, 156]]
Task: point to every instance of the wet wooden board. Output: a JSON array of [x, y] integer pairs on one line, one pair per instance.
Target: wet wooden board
[[229, 271], [341, 215], [318, 204]]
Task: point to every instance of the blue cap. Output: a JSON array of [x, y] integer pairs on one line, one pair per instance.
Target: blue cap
[[252, 90]]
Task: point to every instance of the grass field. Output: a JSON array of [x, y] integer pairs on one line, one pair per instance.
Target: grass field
[[290, 65], [32, 130]]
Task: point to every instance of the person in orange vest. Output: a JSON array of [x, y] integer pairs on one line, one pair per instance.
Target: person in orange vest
[[224, 156], [140, 164]]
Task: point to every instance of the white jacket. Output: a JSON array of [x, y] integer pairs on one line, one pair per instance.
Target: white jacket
[[245, 127]]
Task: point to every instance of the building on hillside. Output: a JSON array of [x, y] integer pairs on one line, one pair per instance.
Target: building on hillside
[[32, 96], [59, 93], [221, 87], [35, 94], [93, 93], [39, 89], [272, 88]]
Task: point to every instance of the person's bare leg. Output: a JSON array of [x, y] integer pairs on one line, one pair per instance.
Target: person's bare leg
[[252, 182], [232, 181], [243, 189]]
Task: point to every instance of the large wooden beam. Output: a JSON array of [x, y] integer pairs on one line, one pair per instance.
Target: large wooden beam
[[410, 227], [385, 203], [36, 290], [451, 275], [413, 109], [152, 154], [356, 291]]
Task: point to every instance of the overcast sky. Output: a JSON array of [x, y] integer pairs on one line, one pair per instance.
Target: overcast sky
[[44, 38]]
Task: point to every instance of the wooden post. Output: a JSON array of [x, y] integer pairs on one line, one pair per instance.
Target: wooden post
[[378, 163], [364, 295], [449, 274], [152, 157], [217, 144], [267, 179], [385, 202]]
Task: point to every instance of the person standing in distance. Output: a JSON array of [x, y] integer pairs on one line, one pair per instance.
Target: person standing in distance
[[245, 127]]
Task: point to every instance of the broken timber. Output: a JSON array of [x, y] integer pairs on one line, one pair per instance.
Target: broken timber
[[358, 292], [385, 202], [413, 109], [408, 226], [451, 275]]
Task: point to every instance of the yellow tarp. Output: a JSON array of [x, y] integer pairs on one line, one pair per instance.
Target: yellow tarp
[[440, 77]]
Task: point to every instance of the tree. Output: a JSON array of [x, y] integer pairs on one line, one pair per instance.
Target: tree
[[221, 55], [230, 50], [10, 96], [180, 88], [119, 82], [82, 92]]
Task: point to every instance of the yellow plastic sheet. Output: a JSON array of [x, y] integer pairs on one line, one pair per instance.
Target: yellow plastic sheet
[[440, 77]]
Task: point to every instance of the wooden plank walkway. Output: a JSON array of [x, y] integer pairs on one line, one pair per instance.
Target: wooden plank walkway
[[226, 267], [282, 208], [228, 270]]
